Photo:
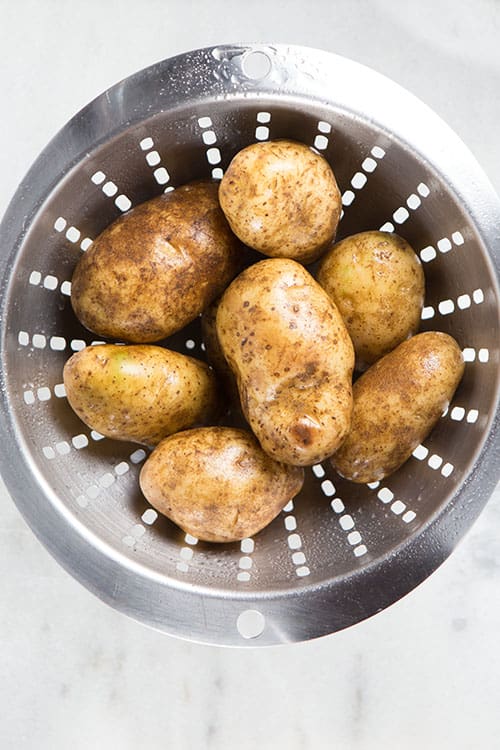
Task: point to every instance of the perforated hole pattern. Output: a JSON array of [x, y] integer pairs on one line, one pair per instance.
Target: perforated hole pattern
[[332, 527]]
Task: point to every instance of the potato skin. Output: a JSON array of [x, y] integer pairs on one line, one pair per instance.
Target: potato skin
[[377, 282], [292, 357], [214, 352], [282, 199], [397, 402], [217, 484], [157, 267], [216, 358], [140, 393]]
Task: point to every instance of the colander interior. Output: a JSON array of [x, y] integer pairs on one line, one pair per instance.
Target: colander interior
[[334, 528]]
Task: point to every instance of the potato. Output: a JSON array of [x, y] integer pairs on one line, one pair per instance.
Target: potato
[[215, 356], [156, 267], [217, 484], [213, 349], [377, 282], [281, 198], [286, 343], [140, 393], [397, 402]]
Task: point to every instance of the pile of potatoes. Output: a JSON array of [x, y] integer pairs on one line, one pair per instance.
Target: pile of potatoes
[[283, 344]]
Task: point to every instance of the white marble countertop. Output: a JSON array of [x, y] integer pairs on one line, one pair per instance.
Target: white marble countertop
[[74, 673]]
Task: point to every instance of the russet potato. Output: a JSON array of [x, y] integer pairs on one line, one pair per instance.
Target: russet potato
[[377, 282], [213, 348], [288, 347], [281, 198], [141, 392], [217, 484], [155, 269], [397, 402]]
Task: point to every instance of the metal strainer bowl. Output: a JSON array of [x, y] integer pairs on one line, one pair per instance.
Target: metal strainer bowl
[[340, 552]]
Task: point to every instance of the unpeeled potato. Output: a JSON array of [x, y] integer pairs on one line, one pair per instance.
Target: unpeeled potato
[[377, 282], [213, 348], [292, 357], [140, 393], [281, 198], [155, 269], [217, 484], [397, 402]]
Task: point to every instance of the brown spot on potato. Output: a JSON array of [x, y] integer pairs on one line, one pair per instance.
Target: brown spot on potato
[[303, 433]]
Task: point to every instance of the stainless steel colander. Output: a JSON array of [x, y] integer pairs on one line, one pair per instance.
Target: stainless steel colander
[[340, 552]]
